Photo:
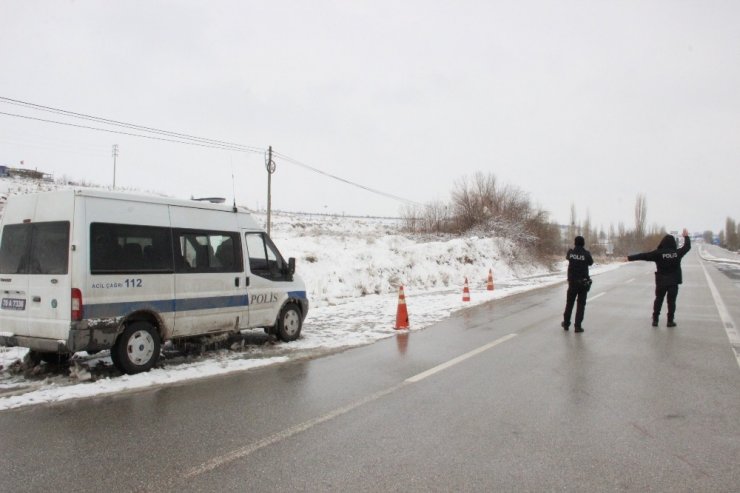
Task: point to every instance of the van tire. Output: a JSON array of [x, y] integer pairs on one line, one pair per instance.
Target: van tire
[[137, 349], [114, 358], [289, 323]]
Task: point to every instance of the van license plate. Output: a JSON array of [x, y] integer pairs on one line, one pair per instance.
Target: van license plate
[[13, 304]]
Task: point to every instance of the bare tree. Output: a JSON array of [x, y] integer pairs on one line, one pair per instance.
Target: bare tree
[[434, 218], [586, 231], [481, 206], [640, 216], [475, 200], [467, 204], [731, 237], [411, 217]]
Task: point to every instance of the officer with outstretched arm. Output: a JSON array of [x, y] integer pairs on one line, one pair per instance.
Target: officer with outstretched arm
[[668, 274]]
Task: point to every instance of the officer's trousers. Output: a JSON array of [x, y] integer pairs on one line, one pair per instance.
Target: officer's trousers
[[660, 293], [576, 291]]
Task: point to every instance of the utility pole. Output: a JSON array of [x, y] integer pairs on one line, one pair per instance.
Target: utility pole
[[115, 155], [270, 165]]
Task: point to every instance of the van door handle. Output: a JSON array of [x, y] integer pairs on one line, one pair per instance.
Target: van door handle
[[247, 282], [37, 299], [236, 282]]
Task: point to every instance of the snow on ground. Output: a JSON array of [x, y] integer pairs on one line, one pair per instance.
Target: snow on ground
[[711, 252], [352, 267]]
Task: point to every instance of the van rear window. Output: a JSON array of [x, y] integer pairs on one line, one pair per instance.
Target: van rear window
[[35, 248], [126, 248]]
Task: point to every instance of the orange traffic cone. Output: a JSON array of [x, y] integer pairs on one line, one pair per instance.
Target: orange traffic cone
[[402, 315], [489, 286], [466, 291]]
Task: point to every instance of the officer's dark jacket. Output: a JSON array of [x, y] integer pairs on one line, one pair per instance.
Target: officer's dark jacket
[[578, 261], [667, 258]]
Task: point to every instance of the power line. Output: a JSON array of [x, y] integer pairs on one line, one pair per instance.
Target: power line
[[131, 126], [176, 137], [120, 132], [369, 189]]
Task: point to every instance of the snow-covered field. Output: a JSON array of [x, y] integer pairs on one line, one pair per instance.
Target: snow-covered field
[[352, 267]]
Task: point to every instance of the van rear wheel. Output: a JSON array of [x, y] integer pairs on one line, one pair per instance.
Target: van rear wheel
[[289, 323], [137, 349]]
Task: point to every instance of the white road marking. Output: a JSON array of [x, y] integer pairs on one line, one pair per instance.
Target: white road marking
[[597, 296], [725, 316], [421, 376], [250, 448], [630, 280]]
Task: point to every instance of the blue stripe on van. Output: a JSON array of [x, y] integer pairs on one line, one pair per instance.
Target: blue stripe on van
[[301, 295], [109, 310]]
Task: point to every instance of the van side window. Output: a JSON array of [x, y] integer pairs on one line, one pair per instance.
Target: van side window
[[264, 258], [35, 248], [207, 251], [128, 248]]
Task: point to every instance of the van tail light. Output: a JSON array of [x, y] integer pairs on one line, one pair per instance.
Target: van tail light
[[76, 305]]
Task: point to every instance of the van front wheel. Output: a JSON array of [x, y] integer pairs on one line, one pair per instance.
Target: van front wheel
[[289, 323], [137, 349]]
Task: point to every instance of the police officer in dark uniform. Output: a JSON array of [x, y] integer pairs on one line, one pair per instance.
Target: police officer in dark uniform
[[579, 282], [668, 275]]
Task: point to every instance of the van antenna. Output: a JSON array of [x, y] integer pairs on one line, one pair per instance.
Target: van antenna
[[233, 187]]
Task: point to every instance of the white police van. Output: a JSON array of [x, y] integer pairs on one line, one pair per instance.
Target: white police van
[[85, 270]]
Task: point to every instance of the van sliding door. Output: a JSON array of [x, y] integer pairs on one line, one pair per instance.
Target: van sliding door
[[210, 291]]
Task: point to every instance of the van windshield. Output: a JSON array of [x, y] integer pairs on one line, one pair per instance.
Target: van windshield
[[35, 248], [264, 258]]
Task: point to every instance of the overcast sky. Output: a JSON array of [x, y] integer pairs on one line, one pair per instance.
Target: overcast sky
[[574, 102]]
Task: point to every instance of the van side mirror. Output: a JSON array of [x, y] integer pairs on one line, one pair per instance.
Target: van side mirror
[[289, 270]]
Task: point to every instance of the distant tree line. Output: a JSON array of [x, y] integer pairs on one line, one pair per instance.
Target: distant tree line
[[621, 240], [483, 206], [730, 237]]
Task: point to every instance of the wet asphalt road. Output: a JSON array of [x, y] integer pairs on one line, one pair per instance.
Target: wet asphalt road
[[496, 398]]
